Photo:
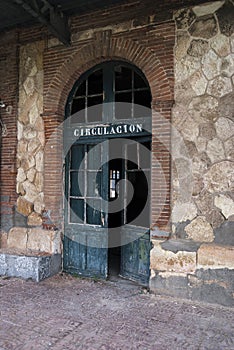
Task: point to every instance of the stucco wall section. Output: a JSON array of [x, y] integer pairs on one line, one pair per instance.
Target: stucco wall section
[[31, 140]]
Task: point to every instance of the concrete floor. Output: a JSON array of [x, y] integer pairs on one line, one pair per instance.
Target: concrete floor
[[64, 312]]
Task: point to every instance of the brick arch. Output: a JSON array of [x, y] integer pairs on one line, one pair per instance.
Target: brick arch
[[91, 54], [105, 48]]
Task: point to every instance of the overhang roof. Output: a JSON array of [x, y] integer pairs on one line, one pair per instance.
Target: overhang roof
[[54, 13], [13, 13]]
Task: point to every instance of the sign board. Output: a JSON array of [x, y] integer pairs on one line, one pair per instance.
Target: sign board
[[115, 129]]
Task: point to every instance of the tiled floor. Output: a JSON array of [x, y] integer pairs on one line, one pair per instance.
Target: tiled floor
[[64, 312]]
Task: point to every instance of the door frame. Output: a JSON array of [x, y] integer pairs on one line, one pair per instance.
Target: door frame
[[107, 119]]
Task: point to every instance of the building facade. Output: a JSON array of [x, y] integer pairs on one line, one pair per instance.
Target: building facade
[[72, 128]]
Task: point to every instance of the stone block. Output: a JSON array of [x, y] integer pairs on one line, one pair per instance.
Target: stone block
[[21, 266], [39, 240], [44, 241], [169, 284], [215, 150], [30, 190], [213, 286], [224, 233], [56, 243], [205, 107], [220, 44], [198, 83], [220, 177], [211, 65], [215, 256], [206, 9], [225, 17], [17, 238], [3, 240], [219, 87], [3, 265], [183, 212], [21, 176], [35, 267], [200, 230], [225, 204], [164, 260], [205, 27], [180, 245], [182, 44], [198, 47], [34, 219], [184, 18], [224, 128], [31, 174], [24, 207]]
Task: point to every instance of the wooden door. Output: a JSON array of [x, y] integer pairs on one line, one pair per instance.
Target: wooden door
[[135, 237], [86, 224]]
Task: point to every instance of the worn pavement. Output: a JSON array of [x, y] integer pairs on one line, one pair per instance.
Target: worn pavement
[[65, 312]]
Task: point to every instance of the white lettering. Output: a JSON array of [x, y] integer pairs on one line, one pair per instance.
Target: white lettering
[[106, 132], [109, 130], [119, 129], [87, 132], [139, 128], [94, 131], [76, 132], [132, 128], [112, 130], [99, 131]]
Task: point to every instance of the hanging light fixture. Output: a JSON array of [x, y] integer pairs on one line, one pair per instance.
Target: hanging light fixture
[[2, 104]]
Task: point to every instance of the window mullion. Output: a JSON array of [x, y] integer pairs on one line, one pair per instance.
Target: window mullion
[[85, 183], [108, 89]]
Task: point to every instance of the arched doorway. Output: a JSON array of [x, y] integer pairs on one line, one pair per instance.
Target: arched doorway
[[107, 220]]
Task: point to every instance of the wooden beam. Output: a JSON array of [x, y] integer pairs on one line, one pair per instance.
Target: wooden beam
[[50, 16]]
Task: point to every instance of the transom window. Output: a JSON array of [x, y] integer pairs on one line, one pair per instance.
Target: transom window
[[109, 82]]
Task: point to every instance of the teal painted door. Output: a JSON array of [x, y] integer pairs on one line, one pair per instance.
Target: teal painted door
[[86, 224], [95, 101], [135, 237]]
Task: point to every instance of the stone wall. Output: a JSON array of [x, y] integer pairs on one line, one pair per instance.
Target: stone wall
[[203, 171], [197, 262], [31, 137]]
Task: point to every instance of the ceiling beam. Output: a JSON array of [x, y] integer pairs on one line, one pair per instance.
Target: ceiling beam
[[50, 16]]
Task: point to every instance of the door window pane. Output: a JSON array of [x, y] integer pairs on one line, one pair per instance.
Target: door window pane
[[76, 211], [132, 157], [93, 184], [95, 83], [123, 111], [93, 211], [77, 155], [94, 114], [77, 184], [123, 78], [143, 98], [78, 111], [81, 91], [94, 156], [139, 82]]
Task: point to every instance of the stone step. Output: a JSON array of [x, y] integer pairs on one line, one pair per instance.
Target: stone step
[[29, 265]]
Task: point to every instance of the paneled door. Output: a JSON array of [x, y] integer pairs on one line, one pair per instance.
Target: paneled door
[[86, 224]]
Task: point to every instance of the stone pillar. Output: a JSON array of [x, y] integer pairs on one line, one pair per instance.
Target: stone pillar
[[31, 140]]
